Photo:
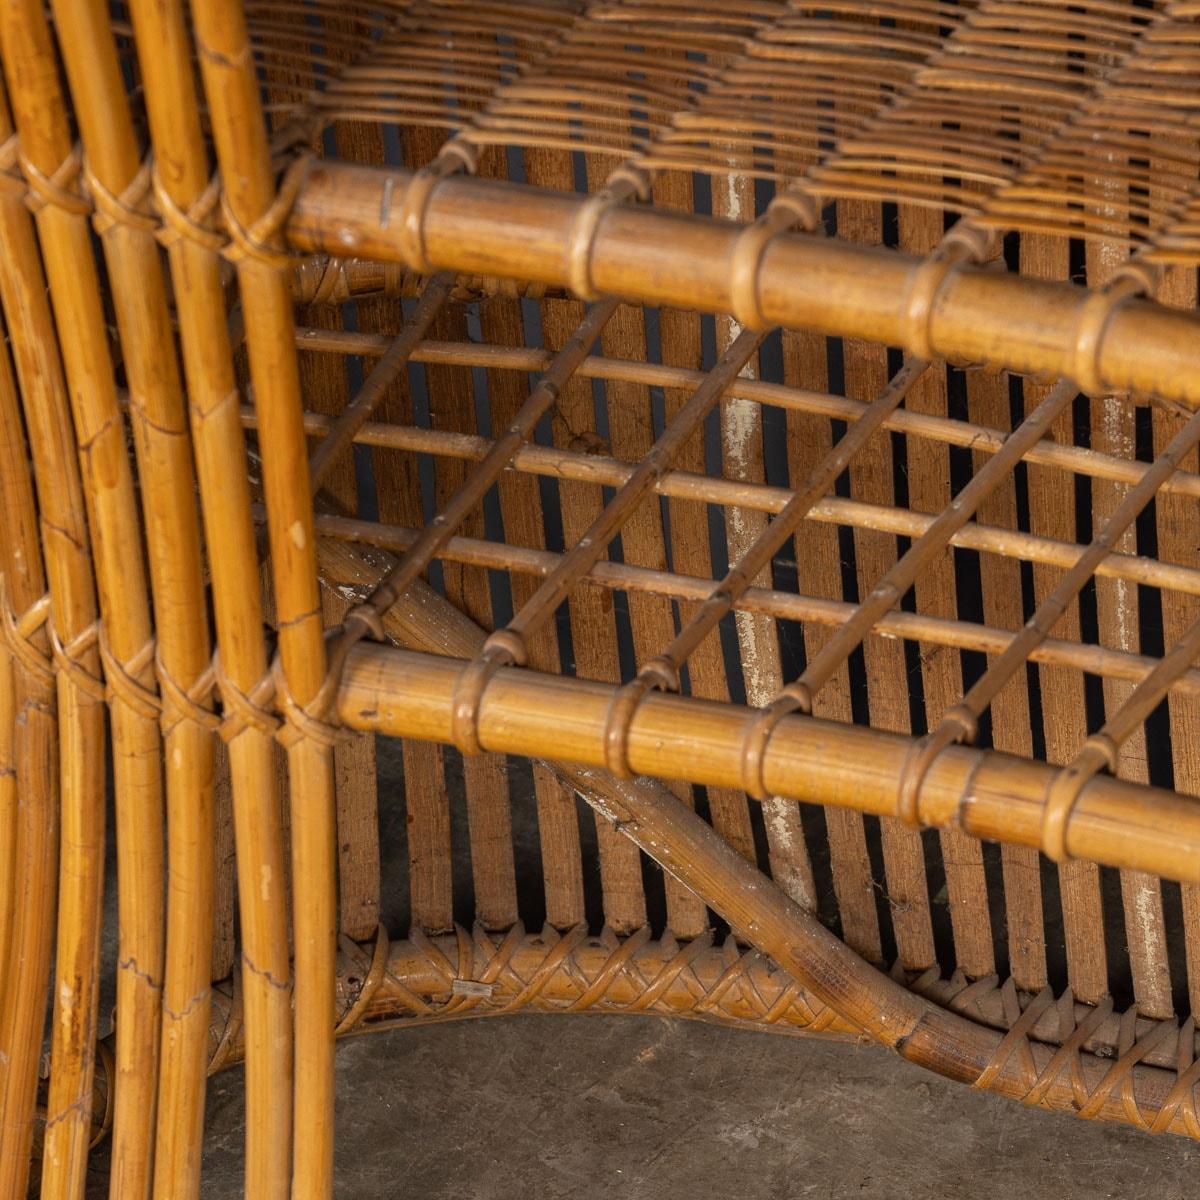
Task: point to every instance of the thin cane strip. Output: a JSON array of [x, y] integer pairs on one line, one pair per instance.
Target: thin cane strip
[[33, 341], [358, 412], [120, 184], [961, 722], [985, 439], [663, 670], [65, 236], [497, 459], [508, 645], [600, 469], [787, 606], [185, 198]]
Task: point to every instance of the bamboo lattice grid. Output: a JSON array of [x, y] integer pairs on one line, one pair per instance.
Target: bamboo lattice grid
[[754, 440]]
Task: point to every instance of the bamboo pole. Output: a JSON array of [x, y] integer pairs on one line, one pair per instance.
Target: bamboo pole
[[43, 785], [28, 816], [480, 226], [683, 844], [981, 793], [239, 131], [65, 237], [164, 456], [173, 107]]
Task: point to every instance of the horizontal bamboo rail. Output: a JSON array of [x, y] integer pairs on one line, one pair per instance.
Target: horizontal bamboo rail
[[948, 430], [655, 256], [707, 489], [788, 606], [982, 793]]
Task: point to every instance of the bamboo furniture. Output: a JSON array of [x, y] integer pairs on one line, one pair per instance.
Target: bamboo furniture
[[756, 440]]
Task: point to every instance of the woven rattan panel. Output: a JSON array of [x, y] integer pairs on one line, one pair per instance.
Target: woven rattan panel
[[678, 508]]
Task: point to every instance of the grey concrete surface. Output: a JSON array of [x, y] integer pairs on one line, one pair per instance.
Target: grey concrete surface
[[566, 1107]]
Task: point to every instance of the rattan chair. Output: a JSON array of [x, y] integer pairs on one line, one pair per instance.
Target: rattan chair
[[769, 425]]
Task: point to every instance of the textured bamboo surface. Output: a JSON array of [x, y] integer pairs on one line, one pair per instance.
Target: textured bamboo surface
[[595, 505]]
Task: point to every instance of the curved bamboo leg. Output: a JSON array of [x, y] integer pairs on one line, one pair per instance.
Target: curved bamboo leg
[[65, 544], [181, 182], [65, 237]]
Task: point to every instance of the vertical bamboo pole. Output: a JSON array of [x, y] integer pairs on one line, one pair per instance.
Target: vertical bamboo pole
[[240, 134], [63, 228], [180, 155], [173, 543], [28, 820], [21, 566], [64, 540]]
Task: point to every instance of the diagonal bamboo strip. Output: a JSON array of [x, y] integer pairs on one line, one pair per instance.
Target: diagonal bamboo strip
[[788, 606], [983, 438], [478, 226], [961, 722], [356, 414], [510, 644], [119, 185], [50, 165], [601, 469], [181, 184], [252, 208], [485, 474]]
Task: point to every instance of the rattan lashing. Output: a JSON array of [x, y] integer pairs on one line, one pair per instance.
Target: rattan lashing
[[189, 547]]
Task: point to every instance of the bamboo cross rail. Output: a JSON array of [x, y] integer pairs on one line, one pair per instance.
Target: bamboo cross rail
[[980, 316]]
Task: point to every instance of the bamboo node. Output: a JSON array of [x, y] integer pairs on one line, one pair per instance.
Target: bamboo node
[[958, 247], [1099, 753], [785, 211], [502, 648], [621, 712], [456, 155], [582, 238]]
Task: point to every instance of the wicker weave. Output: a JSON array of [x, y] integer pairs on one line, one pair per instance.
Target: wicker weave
[[754, 440]]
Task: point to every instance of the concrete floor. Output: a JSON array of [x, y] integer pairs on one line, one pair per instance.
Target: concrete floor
[[559, 1107]]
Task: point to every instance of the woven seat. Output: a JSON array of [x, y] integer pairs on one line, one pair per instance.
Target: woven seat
[[637, 506]]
